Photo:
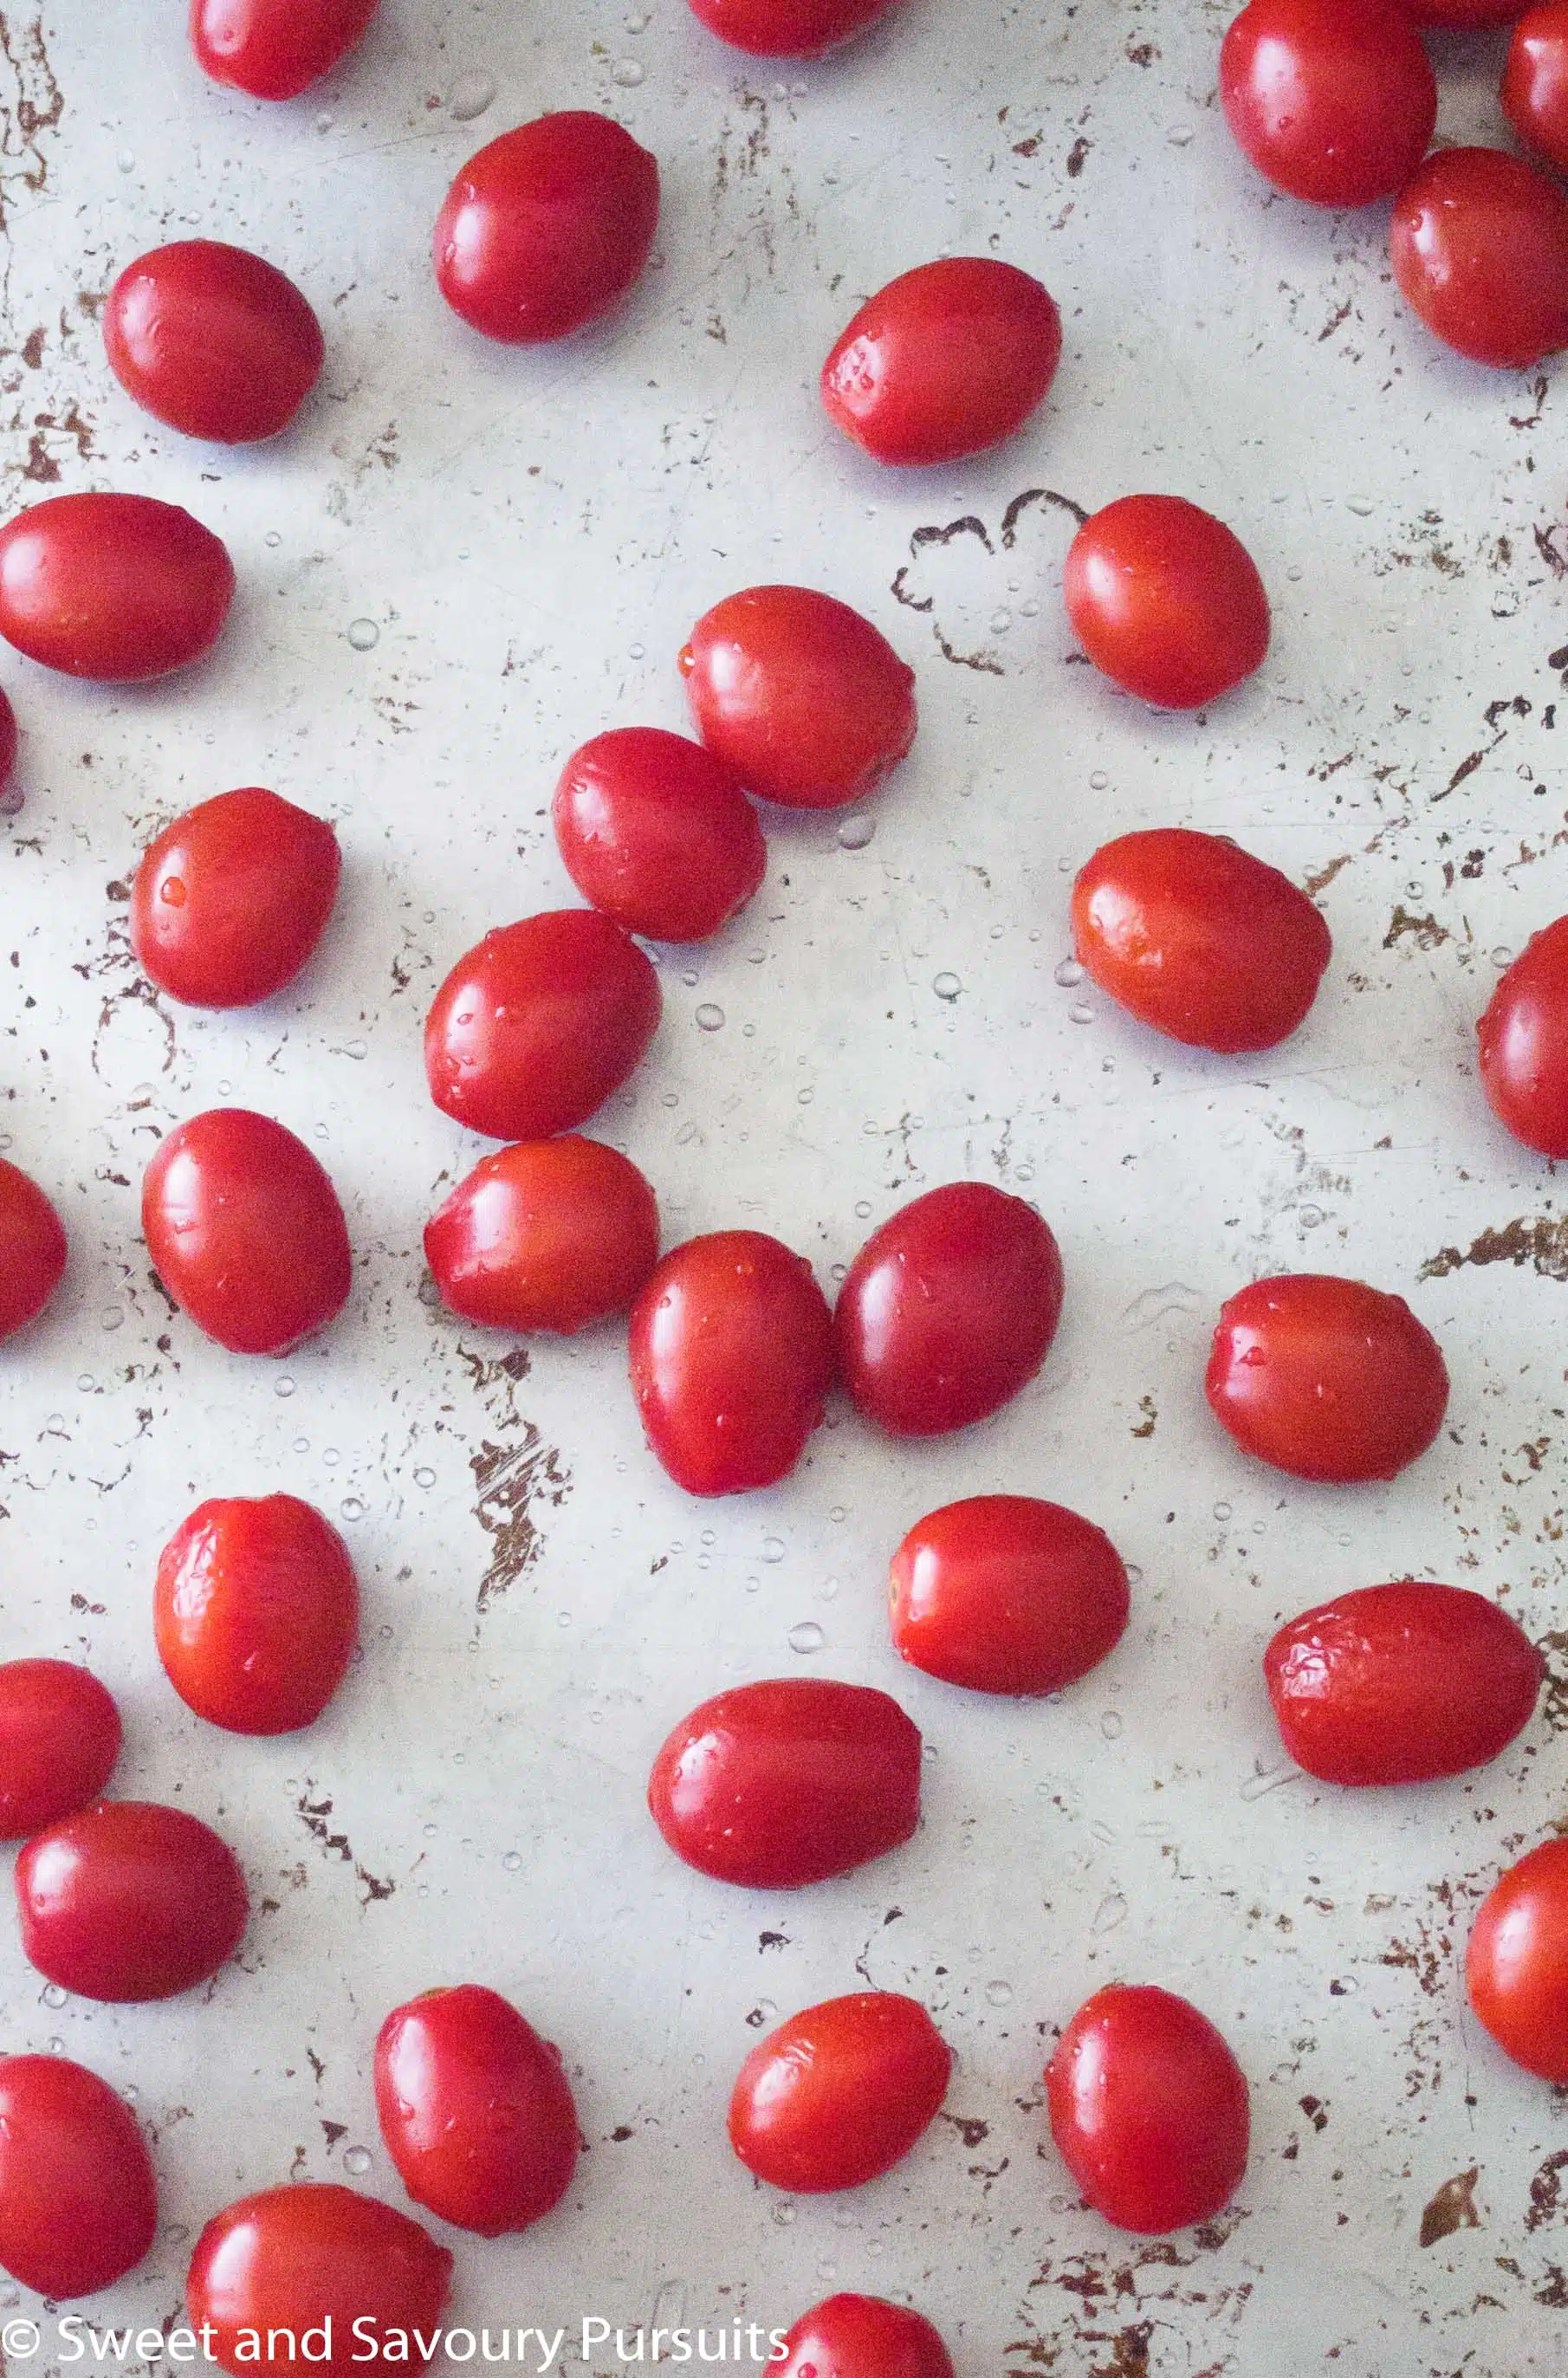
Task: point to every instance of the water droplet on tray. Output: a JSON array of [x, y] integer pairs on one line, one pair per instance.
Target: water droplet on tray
[[856, 832], [363, 635], [710, 1018], [627, 73], [358, 2160], [947, 985], [471, 94], [1067, 975], [806, 1637]]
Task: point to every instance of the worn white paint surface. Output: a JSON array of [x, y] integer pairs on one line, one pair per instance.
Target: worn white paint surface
[[532, 534]]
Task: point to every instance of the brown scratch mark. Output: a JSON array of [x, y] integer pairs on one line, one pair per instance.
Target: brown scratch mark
[[1453, 2207], [1546, 546], [1554, 2292], [986, 664], [146, 994], [512, 1480], [335, 2131], [1142, 54], [1145, 1427], [1468, 765], [1529, 420], [31, 348], [37, 108], [41, 466], [1542, 1242], [1325, 875], [374, 1887], [1424, 932], [1546, 2191], [973, 2131], [1021, 504], [504, 1371], [1340, 313], [1030, 147], [1077, 156], [313, 1815]]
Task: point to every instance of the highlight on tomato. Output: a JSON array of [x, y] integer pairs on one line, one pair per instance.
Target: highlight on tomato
[[128, 1901], [275, 49], [839, 2093], [230, 901], [553, 1234], [1516, 1964], [1327, 1379], [547, 227], [59, 1742], [1165, 601], [1333, 101], [1478, 243], [658, 834], [78, 2202], [310, 2256], [1535, 81], [1149, 2110], [863, 2337], [1005, 1594], [476, 2110], [213, 341], [116, 588], [1524, 1043], [256, 1613], [33, 1238], [948, 360]]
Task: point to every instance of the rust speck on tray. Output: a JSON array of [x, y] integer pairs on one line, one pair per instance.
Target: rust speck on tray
[[511, 1479], [1325, 875], [1424, 932], [1454, 2207], [1542, 1242], [1546, 2191]]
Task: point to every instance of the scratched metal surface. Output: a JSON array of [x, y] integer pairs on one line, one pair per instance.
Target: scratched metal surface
[[529, 536]]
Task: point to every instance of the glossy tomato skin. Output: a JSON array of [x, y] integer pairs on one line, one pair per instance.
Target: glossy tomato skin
[[805, 700], [1165, 601], [1333, 101], [789, 28], [79, 2203], [1327, 1379], [256, 1612], [59, 1740], [862, 2336], [839, 2093], [212, 339], [1003, 1594], [1398, 1683], [127, 1901], [1535, 82], [245, 1231], [1199, 938], [948, 360], [275, 49], [552, 1234], [538, 1025], [33, 1241], [301, 2256], [1478, 243], [787, 1783], [230, 899], [732, 1353], [1465, 16], [546, 228], [658, 834], [947, 1310], [1517, 1965], [1524, 1043], [476, 2110], [1149, 2110], [117, 588]]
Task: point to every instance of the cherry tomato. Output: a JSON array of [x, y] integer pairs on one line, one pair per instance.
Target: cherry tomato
[[230, 901], [476, 2110], [9, 741], [1478, 243], [1516, 1965], [245, 1231], [861, 2336], [314, 2258], [537, 1027], [1333, 101], [787, 1783], [1149, 2110], [256, 1612], [1327, 1379], [1396, 1684], [1524, 1038], [126, 1900], [788, 28], [214, 340], [34, 1244], [947, 1310], [120, 588], [275, 49], [805, 700], [658, 834], [1535, 82], [1166, 600], [1006, 1594], [1464, 15], [839, 2093], [945, 361], [732, 1352], [79, 2204], [59, 1740], [1200, 939], [552, 1234], [547, 227]]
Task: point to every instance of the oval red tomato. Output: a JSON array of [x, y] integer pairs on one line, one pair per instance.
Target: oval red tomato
[[59, 1740], [947, 1310], [245, 1231], [1007, 1594], [789, 28], [789, 1782], [1517, 1965], [1478, 243], [1535, 82], [1333, 101], [1524, 1043], [1396, 1684], [313, 2257], [231, 898], [1149, 2110], [547, 227], [128, 1901], [256, 1612], [862, 2336], [947, 360], [839, 2093], [476, 2110], [214, 340], [119, 588], [79, 2203], [275, 49], [732, 1353], [1166, 600], [535, 1028], [1327, 1379], [658, 834], [1199, 938], [807, 701], [34, 1240], [550, 1234]]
